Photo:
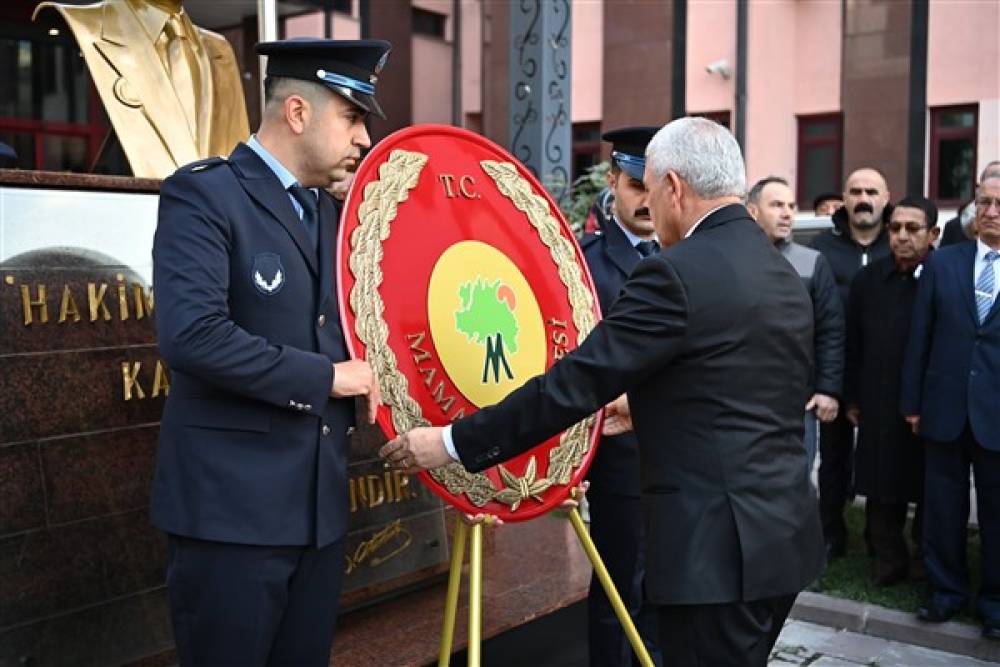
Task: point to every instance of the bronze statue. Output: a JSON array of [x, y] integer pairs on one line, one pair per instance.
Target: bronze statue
[[171, 89]]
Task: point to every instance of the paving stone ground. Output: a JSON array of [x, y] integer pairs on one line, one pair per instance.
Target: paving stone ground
[[810, 645]]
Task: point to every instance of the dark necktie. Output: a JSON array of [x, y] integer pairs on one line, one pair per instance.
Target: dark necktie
[[647, 248], [310, 210]]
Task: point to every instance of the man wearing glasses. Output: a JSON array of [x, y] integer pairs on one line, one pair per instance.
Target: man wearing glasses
[[951, 385], [889, 460]]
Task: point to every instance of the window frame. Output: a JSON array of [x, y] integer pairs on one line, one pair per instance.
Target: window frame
[[937, 133], [95, 131], [804, 143]]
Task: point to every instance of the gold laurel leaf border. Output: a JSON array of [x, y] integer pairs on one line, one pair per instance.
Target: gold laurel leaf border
[[381, 198]]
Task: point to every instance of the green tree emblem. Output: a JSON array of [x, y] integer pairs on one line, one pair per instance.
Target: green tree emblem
[[486, 317]]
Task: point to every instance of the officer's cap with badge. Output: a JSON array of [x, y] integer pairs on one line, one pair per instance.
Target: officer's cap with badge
[[349, 68], [629, 148]]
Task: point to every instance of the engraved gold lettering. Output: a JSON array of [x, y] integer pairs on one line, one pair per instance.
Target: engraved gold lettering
[[466, 186], [142, 300], [130, 380], [394, 535], [428, 374], [401, 485], [419, 354], [376, 492], [357, 491], [161, 380], [122, 298], [556, 323], [447, 180], [67, 308], [95, 300], [28, 303], [458, 415]]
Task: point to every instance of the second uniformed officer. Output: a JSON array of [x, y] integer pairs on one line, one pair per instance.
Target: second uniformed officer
[[615, 509], [251, 477]]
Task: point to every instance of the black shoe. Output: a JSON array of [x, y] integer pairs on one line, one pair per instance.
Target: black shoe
[[931, 613], [991, 630]]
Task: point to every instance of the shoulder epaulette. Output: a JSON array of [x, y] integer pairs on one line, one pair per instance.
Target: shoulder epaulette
[[202, 165], [590, 239]]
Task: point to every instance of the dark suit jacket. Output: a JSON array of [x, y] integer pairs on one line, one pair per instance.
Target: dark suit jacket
[[951, 373], [611, 258], [712, 339], [252, 449]]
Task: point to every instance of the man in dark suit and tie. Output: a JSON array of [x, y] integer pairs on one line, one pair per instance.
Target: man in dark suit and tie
[[251, 476], [712, 340], [615, 511], [951, 396]]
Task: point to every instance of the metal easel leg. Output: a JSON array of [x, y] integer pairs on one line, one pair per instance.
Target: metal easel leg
[[475, 595], [609, 588], [451, 600]]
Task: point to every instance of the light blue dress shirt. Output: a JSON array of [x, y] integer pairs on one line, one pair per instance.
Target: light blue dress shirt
[[286, 177]]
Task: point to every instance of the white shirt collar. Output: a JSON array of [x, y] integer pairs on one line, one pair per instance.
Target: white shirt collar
[[702, 218], [981, 250]]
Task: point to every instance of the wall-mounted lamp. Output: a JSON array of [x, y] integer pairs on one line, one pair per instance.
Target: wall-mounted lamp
[[720, 67]]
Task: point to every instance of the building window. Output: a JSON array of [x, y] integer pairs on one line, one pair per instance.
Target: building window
[[820, 156], [428, 23], [586, 148], [49, 113], [720, 117], [343, 6], [954, 134]]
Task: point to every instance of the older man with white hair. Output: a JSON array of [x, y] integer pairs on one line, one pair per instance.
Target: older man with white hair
[[712, 341]]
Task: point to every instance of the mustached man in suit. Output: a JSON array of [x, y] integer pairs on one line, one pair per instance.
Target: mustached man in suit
[[612, 251], [712, 340], [951, 396], [251, 475]]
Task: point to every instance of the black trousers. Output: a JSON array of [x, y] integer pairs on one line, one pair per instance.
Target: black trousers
[[235, 604], [616, 528], [836, 467], [886, 524], [735, 634], [946, 517]]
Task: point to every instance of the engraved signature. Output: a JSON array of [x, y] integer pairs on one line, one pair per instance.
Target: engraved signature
[[391, 541]]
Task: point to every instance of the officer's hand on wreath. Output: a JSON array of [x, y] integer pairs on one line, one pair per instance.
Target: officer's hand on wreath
[[914, 422], [416, 450], [573, 500], [355, 378], [826, 407], [617, 417]]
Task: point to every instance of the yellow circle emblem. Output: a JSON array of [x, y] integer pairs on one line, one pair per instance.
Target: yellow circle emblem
[[485, 322]]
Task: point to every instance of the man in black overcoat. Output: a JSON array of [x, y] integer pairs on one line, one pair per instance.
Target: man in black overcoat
[[712, 340], [889, 459]]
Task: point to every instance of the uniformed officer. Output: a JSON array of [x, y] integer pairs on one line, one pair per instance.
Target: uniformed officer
[[615, 510], [251, 476]]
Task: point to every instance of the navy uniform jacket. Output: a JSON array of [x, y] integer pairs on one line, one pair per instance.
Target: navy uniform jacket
[[951, 372], [611, 257], [252, 448], [712, 339]]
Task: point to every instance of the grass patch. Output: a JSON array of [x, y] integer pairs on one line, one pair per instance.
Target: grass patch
[[847, 577]]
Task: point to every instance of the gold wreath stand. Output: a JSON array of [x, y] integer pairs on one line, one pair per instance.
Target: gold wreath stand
[[476, 591]]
